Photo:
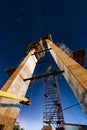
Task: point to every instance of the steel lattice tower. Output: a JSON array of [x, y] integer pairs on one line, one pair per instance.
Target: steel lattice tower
[[52, 111]]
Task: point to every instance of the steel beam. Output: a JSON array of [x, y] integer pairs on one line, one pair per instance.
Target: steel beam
[[54, 73], [12, 96]]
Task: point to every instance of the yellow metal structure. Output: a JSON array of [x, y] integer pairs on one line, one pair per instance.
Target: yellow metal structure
[[12, 96]]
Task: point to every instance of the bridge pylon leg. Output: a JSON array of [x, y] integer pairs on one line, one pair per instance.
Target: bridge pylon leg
[[9, 108], [74, 73]]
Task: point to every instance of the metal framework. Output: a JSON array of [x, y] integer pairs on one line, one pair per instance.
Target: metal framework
[[52, 114]]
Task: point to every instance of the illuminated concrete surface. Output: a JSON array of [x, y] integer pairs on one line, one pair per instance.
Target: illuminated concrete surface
[[74, 73], [9, 108]]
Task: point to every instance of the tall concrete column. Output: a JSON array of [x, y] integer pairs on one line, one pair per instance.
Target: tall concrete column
[[74, 73], [9, 108]]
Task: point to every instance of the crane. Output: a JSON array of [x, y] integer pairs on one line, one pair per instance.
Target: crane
[[17, 85]]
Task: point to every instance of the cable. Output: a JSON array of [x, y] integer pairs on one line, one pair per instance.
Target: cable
[[70, 106]]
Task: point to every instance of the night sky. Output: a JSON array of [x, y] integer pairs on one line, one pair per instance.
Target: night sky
[[25, 21]]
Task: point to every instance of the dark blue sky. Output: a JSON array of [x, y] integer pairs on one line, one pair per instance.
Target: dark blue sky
[[25, 21]]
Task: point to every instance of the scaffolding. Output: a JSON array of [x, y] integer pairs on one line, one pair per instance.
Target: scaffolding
[[52, 109]]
